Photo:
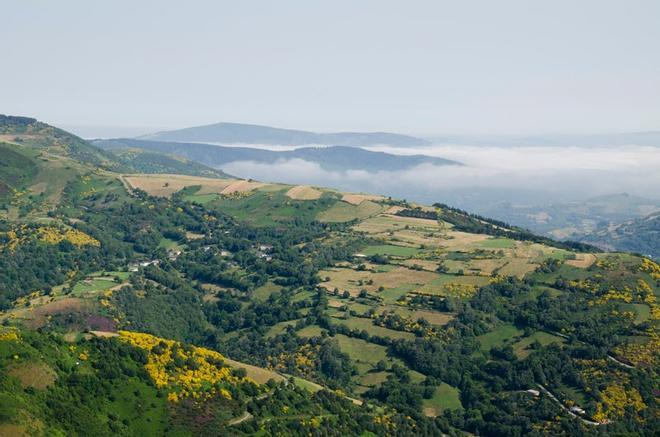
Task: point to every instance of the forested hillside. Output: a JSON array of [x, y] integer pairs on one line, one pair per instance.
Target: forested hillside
[[149, 304]]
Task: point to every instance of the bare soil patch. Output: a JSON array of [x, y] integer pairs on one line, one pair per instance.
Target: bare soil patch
[[582, 260], [35, 375]]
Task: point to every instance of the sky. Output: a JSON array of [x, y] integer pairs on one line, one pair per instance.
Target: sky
[[418, 67]]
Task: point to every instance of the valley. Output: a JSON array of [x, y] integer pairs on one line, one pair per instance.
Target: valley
[[153, 300]]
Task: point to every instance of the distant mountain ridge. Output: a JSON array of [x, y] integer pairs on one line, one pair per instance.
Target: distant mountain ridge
[[239, 133], [329, 158], [641, 235]]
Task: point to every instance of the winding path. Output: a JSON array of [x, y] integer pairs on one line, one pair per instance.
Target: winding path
[[563, 407]]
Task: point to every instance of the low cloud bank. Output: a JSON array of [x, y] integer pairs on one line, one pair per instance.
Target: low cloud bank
[[551, 173]]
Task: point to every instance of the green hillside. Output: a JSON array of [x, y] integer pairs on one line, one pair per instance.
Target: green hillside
[[129, 303], [143, 161]]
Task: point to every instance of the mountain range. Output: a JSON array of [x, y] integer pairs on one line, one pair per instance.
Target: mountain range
[[329, 158], [239, 133]]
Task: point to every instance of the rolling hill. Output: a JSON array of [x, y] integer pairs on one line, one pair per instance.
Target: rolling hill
[[572, 219], [238, 133], [329, 158], [640, 235], [164, 304]]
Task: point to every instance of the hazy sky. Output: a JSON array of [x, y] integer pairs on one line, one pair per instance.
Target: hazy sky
[[427, 67]]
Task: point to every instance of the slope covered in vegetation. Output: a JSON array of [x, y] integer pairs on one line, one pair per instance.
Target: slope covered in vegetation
[[126, 303]]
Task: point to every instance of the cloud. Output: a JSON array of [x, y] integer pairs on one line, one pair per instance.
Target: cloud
[[563, 173]]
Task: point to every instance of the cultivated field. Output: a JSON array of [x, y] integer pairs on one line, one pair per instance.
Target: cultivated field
[[304, 192], [164, 185], [345, 212], [356, 199]]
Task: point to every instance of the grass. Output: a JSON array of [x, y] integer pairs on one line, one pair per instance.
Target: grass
[[168, 244], [535, 292], [310, 331], [361, 350], [392, 295], [497, 243], [522, 348], [444, 398], [641, 310], [93, 285], [270, 208], [35, 375], [498, 337], [356, 280], [166, 185], [202, 199], [391, 249], [307, 385], [345, 212], [258, 374], [379, 331], [574, 394], [280, 327], [433, 317], [373, 378], [262, 293], [146, 411]]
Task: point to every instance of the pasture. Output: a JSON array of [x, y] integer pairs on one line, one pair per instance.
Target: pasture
[[444, 398], [356, 199], [164, 185], [345, 212], [365, 324], [304, 192], [498, 337], [523, 348]]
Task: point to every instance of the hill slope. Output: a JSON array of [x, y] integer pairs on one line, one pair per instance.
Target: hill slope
[[122, 311], [237, 133], [640, 235], [329, 158]]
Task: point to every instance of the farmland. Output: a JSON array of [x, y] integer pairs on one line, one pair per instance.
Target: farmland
[[436, 321]]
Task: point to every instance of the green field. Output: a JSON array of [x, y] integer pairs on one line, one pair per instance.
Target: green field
[[345, 212], [367, 325], [168, 244], [391, 295], [498, 337], [391, 249], [523, 347], [497, 243], [445, 397], [310, 331], [201, 198], [279, 328], [93, 285], [642, 311], [262, 293], [270, 208]]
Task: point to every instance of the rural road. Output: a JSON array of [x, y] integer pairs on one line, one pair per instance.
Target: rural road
[[572, 414]]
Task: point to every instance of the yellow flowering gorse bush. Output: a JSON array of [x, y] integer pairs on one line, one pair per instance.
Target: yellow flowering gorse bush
[[186, 371]]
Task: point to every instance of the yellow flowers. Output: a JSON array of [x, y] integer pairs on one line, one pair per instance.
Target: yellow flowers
[[187, 371], [641, 353], [53, 235], [9, 335], [615, 400], [651, 268], [459, 290], [82, 356]]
